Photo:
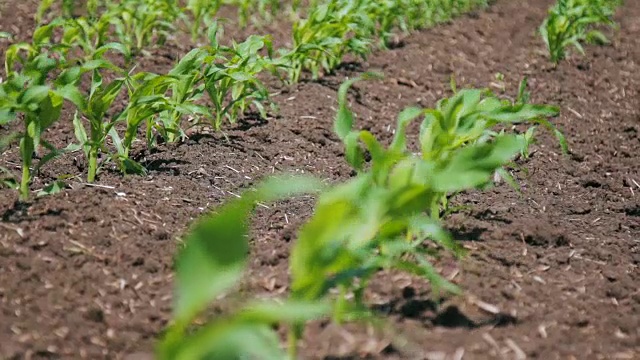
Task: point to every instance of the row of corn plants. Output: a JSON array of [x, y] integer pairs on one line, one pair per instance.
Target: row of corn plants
[[75, 42], [142, 23], [334, 29], [210, 84], [386, 217]]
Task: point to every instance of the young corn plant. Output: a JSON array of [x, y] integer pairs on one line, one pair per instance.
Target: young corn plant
[[255, 11], [231, 77], [147, 99], [572, 22], [203, 13], [159, 102], [94, 109], [332, 30], [185, 90], [211, 262], [390, 16], [141, 23], [68, 9], [92, 37], [28, 95], [382, 217], [226, 75], [423, 14]]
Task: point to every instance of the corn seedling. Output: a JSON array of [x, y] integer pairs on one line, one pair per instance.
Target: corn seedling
[[231, 76], [92, 37], [256, 11], [128, 26], [409, 15], [185, 89], [571, 22], [69, 9], [66, 7], [140, 23], [94, 109], [90, 34], [332, 30], [146, 93], [159, 102], [203, 13], [382, 218], [209, 265], [388, 216], [26, 93]]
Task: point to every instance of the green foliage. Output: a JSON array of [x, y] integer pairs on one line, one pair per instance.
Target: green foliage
[[332, 30], [140, 23], [43, 73], [94, 108], [231, 76], [409, 15], [210, 264], [225, 76], [67, 9], [382, 218], [335, 29], [572, 22], [387, 217], [92, 37], [27, 93], [203, 13], [255, 11], [128, 26]]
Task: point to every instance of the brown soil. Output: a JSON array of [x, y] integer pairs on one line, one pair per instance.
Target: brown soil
[[552, 273]]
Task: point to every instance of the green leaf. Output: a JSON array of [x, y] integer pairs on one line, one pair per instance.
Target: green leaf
[[399, 142], [72, 94], [226, 340], [524, 112], [49, 111], [129, 166], [216, 248], [474, 165], [6, 116], [429, 228], [343, 123], [290, 311], [188, 63], [353, 152], [34, 94], [284, 186], [53, 188], [213, 258], [80, 133]]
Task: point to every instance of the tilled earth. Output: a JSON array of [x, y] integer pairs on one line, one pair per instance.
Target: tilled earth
[[552, 273]]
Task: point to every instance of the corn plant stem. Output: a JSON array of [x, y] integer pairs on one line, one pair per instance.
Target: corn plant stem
[[26, 148], [93, 164], [292, 339], [341, 305], [172, 130]]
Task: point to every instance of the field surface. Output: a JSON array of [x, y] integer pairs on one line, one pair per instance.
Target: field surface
[[551, 273]]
